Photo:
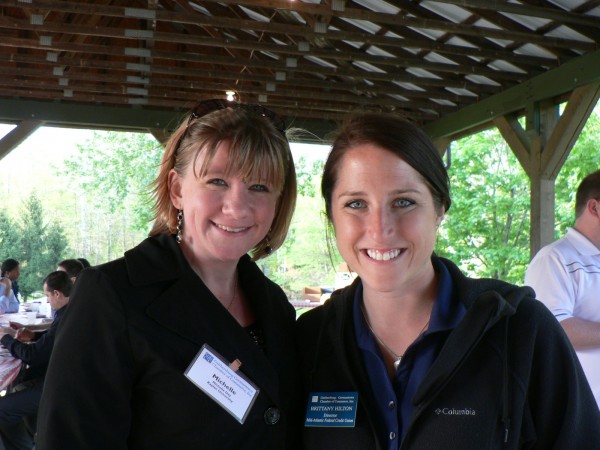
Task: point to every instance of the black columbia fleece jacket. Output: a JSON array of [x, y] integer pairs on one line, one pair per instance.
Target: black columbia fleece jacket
[[506, 377]]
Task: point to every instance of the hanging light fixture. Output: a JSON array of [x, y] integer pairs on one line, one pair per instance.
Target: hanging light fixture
[[231, 96]]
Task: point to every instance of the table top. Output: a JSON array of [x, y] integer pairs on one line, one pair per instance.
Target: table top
[[22, 319], [9, 368]]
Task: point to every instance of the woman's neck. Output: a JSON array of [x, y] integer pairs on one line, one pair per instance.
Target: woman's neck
[[394, 308], [221, 278]]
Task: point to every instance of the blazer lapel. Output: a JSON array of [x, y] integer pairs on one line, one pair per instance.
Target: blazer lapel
[[189, 309]]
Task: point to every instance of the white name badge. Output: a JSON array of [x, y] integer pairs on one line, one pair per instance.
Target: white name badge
[[220, 381]]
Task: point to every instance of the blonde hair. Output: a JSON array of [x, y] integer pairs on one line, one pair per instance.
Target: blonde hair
[[257, 150]]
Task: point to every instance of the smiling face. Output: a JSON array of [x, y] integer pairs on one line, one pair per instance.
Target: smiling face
[[224, 215], [385, 219]]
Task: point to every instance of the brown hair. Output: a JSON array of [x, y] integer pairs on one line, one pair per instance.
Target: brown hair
[[588, 188], [396, 135], [257, 149]]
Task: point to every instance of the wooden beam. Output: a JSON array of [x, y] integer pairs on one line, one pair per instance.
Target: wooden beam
[[320, 10], [542, 150], [17, 135], [541, 213], [552, 84], [136, 119], [580, 105], [558, 15], [516, 138]]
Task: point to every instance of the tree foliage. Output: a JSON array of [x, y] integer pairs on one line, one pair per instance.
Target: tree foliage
[[41, 246], [583, 159], [121, 168], [112, 174], [486, 230], [304, 259], [10, 239]]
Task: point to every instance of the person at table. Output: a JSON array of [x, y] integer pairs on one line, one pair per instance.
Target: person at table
[[415, 354], [73, 267], [8, 300], [84, 262], [148, 338], [11, 269], [18, 408]]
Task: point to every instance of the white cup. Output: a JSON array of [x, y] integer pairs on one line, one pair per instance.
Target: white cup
[[31, 316], [46, 309]]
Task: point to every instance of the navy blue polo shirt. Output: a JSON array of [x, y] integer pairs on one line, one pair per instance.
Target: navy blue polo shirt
[[394, 397]]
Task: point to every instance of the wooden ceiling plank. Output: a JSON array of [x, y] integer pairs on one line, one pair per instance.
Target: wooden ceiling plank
[[324, 10], [212, 59], [569, 76], [439, 25], [549, 12], [199, 76], [175, 52], [91, 87], [391, 61], [119, 75]]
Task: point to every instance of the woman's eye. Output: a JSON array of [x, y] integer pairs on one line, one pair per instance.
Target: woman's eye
[[403, 203], [355, 204], [217, 182], [259, 188]]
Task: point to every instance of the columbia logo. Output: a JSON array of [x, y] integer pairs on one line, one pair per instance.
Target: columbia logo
[[455, 412]]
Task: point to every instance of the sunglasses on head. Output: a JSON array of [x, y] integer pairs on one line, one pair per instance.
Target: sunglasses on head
[[208, 106]]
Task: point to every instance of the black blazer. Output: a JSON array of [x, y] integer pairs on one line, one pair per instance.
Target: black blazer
[[116, 376]]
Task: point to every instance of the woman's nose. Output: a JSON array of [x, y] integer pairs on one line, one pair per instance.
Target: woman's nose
[[236, 202], [380, 223]]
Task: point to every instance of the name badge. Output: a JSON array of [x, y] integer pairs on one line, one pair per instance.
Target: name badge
[[331, 409], [221, 381]]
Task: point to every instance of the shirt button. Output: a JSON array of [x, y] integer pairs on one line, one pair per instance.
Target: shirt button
[[272, 415], [392, 436], [391, 404]]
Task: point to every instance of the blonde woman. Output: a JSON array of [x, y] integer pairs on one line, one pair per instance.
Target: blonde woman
[[183, 343]]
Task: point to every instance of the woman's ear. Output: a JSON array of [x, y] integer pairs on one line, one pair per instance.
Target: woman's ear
[[440, 218], [175, 188]]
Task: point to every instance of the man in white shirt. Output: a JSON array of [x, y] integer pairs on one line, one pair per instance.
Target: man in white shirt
[[566, 278]]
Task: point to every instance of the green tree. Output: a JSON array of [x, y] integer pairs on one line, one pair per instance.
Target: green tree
[[486, 230], [112, 174], [307, 176], [9, 237], [304, 260], [583, 159], [115, 171], [43, 245]]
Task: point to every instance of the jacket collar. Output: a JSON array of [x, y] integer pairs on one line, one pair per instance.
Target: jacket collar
[[185, 306], [487, 301]]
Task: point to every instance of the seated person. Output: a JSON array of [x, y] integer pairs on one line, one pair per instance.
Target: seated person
[[18, 408], [85, 262], [8, 300], [11, 269], [72, 266]]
